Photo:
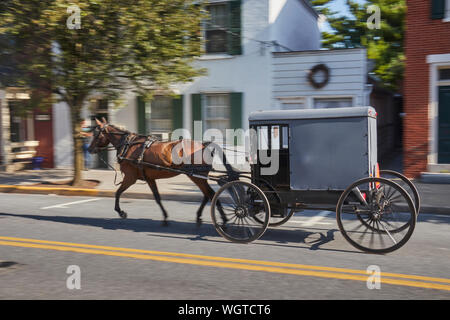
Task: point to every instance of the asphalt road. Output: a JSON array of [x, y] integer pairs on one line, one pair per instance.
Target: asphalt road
[[41, 236]]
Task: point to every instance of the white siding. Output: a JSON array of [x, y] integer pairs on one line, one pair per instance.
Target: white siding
[[294, 25], [347, 75]]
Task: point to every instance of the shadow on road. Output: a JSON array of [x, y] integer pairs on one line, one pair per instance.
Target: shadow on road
[[286, 237]]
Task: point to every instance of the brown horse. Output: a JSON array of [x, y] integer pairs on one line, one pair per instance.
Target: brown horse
[[133, 149]]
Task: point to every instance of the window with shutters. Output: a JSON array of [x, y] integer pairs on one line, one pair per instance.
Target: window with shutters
[[217, 28], [217, 112], [159, 114], [223, 28]]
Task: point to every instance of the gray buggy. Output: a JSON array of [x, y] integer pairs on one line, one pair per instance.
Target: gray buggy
[[326, 160]]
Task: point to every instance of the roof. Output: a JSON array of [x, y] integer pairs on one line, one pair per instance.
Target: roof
[[351, 112], [310, 7]]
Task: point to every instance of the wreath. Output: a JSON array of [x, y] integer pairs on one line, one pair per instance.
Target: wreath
[[319, 68]]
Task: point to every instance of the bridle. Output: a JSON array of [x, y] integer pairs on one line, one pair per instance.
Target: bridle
[[104, 130]]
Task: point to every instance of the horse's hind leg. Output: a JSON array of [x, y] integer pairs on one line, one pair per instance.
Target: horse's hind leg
[[128, 181], [152, 184], [208, 193]]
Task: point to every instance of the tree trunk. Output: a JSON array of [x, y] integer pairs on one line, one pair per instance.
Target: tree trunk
[[78, 156]]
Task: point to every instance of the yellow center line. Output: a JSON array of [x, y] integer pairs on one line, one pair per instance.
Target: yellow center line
[[242, 264]]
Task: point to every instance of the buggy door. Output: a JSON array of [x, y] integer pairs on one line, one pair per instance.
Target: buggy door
[[272, 152]]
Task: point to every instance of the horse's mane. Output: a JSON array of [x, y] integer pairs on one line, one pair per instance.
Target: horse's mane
[[122, 129]]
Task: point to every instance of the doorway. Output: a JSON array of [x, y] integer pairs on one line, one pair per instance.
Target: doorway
[[444, 125]]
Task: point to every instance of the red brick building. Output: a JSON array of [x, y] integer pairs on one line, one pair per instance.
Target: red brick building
[[427, 87]]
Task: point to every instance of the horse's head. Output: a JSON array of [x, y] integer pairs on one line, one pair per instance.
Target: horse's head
[[100, 139]]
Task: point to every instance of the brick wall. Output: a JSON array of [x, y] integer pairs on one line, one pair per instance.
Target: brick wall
[[424, 36]]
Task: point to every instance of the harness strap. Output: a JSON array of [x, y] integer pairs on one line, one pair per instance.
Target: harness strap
[[147, 144], [124, 149]]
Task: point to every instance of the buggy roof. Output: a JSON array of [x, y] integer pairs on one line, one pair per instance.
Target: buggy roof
[[313, 114]]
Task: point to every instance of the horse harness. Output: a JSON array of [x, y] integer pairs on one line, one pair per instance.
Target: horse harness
[[128, 140]]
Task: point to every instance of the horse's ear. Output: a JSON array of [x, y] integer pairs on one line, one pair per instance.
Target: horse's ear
[[104, 120], [98, 122]]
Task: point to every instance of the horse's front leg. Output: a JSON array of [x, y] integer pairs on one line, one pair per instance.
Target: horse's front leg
[[128, 181], [152, 184]]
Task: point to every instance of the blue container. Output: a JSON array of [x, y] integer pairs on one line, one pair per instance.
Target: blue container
[[37, 162]]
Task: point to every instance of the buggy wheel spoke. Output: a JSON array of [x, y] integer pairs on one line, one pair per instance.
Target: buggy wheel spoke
[[381, 237], [388, 233]]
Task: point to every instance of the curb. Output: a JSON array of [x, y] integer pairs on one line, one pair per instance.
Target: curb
[[194, 197], [97, 193]]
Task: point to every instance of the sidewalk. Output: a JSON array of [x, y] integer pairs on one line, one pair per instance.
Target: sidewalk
[[435, 197]]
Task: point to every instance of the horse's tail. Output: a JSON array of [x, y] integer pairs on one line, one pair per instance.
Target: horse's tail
[[231, 172]]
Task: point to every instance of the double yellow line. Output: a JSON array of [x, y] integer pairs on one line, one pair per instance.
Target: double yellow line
[[231, 263]]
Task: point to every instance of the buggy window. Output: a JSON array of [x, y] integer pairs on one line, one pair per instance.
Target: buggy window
[[274, 137], [285, 137], [263, 138]]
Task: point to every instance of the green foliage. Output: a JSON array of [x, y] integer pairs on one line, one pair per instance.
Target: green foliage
[[122, 45], [384, 45]]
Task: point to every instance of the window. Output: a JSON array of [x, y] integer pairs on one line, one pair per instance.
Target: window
[[440, 9], [444, 74], [217, 28], [217, 112], [159, 114], [279, 137], [223, 28], [447, 10], [320, 103], [292, 103], [263, 138]]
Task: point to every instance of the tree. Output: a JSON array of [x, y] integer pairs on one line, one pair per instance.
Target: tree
[[119, 45], [384, 44]]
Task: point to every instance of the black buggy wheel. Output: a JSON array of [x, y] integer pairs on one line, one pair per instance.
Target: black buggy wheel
[[405, 183], [376, 215], [239, 202], [279, 214]]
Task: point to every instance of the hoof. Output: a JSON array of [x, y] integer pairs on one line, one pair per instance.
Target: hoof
[[199, 222], [165, 223], [123, 214]]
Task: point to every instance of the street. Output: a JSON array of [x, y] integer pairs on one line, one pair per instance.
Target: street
[[41, 236]]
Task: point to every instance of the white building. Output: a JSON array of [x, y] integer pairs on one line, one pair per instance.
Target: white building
[[260, 55], [343, 73], [240, 39]]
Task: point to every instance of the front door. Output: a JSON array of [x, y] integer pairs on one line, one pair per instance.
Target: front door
[[444, 125]]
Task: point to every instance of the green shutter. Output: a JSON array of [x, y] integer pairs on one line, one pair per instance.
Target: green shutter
[[177, 108], [437, 9], [141, 123], [196, 108], [234, 37], [236, 111]]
